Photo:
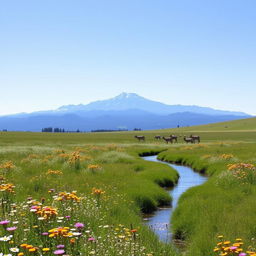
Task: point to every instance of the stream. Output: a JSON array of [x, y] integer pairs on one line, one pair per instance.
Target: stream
[[160, 220]]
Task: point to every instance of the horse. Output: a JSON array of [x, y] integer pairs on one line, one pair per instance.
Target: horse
[[174, 137], [168, 139], [157, 137], [195, 138], [140, 137], [189, 140]]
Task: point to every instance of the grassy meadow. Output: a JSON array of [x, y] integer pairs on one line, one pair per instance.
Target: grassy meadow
[[84, 194]]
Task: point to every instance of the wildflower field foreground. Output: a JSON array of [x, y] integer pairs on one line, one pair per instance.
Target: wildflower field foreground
[[80, 194]]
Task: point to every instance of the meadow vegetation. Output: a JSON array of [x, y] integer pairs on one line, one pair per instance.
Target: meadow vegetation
[[84, 194], [224, 205]]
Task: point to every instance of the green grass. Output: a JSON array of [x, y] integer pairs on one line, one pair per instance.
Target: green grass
[[223, 205]]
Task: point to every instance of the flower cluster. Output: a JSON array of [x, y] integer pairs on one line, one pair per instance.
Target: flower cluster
[[65, 196], [9, 187], [46, 212], [54, 172], [97, 192], [94, 167], [60, 232], [226, 156], [226, 248], [8, 165], [241, 166]]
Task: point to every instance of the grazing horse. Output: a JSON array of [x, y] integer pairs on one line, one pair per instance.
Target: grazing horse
[[157, 137], [174, 137], [140, 137], [195, 138], [168, 139], [189, 140]]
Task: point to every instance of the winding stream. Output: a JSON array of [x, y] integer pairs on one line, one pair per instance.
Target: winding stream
[[159, 222]]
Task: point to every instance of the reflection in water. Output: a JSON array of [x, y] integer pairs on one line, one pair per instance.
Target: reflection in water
[[160, 220]]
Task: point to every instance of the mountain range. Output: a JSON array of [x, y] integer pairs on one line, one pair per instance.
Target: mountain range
[[125, 111]]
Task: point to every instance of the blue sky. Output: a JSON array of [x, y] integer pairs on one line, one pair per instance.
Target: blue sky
[[60, 52]]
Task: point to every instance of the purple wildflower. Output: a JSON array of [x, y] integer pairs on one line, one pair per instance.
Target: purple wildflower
[[59, 252], [91, 239], [60, 246], [4, 222], [11, 229], [79, 225], [45, 233]]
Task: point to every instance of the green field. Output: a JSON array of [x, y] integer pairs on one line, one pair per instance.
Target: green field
[[114, 187]]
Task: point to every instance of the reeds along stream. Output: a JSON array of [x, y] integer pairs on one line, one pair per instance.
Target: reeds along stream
[[160, 221]]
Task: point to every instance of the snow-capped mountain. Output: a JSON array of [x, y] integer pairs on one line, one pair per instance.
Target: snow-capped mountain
[[126, 101], [127, 110]]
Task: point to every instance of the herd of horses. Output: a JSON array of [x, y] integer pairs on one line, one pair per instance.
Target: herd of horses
[[172, 138]]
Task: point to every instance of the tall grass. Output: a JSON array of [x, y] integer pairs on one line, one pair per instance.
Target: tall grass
[[223, 205]]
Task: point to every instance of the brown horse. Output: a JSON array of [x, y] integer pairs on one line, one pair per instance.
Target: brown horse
[[168, 139], [189, 140], [174, 137], [195, 138], [140, 138]]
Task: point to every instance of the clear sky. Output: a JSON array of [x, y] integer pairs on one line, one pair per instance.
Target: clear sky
[[58, 52]]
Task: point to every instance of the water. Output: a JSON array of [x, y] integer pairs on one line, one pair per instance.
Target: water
[[161, 219]]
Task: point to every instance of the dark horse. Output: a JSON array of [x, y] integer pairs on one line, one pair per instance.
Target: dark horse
[[195, 138], [189, 140], [168, 139], [157, 137], [174, 137], [140, 137]]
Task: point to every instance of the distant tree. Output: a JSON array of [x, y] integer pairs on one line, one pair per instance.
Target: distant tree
[[47, 129], [57, 130]]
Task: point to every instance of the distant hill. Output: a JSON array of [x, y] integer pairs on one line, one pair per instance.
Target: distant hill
[[245, 124], [240, 125], [125, 111]]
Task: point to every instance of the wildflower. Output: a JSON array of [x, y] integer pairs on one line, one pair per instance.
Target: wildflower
[[91, 239], [7, 165], [59, 252], [79, 225], [72, 240], [60, 246], [6, 238], [77, 234], [97, 192], [68, 196], [94, 167], [46, 212], [10, 229], [15, 249], [4, 222], [54, 172], [46, 249]]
